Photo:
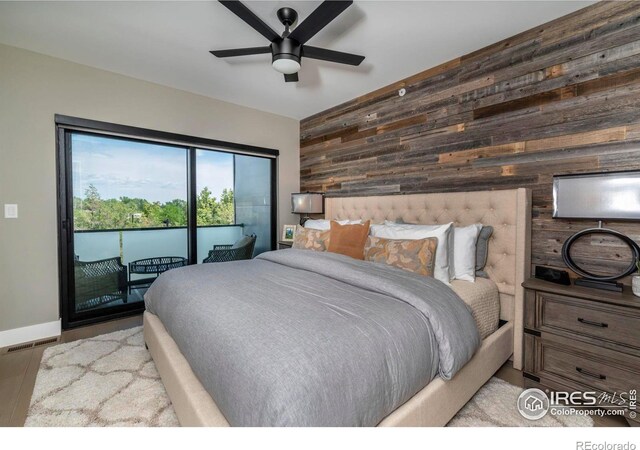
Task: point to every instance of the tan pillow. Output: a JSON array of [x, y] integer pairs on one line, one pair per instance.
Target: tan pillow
[[417, 255], [349, 239], [310, 239]]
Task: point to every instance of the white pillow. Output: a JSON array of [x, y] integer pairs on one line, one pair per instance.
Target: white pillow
[[318, 224], [374, 227], [322, 224], [444, 233], [464, 251]]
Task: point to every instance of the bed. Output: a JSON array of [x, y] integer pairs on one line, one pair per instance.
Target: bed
[[508, 211]]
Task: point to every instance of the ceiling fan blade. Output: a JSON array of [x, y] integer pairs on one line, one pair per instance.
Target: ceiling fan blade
[[319, 19], [240, 10], [291, 78], [331, 55], [241, 51]]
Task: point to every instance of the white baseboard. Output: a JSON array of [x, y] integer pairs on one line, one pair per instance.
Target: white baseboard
[[30, 333]]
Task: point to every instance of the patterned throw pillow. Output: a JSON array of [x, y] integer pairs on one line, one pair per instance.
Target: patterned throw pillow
[[413, 255], [310, 239]]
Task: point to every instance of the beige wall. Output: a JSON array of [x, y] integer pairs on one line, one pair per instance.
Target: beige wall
[[33, 88]]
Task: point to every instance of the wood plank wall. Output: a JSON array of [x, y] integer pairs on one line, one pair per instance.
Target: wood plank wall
[[560, 98]]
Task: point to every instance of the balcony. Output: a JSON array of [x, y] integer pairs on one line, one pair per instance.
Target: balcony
[[103, 280]]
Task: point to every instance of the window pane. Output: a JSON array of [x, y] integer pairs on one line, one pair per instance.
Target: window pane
[[130, 217], [214, 185], [253, 198], [216, 205]]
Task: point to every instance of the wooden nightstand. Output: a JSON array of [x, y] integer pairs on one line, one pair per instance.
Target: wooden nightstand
[[284, 244], [582, 339]]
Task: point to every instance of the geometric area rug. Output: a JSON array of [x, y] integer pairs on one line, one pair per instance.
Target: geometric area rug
[[107, 380], [111, 381]]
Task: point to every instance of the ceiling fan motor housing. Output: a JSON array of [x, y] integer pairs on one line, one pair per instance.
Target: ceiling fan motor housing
[[285, 49]]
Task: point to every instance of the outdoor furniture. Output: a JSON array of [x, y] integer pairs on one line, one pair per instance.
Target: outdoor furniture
[[99, 282], [153, 266], [242, 249]]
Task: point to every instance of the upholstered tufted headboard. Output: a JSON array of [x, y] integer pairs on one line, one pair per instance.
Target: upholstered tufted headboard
[[508, 211]]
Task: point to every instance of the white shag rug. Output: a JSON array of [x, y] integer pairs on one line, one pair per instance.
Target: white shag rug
[[111, 380], [108, 380]]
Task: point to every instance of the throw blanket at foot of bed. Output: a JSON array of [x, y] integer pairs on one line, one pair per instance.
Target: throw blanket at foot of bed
[[303, 338]]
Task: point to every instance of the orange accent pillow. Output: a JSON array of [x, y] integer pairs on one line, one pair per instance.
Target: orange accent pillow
[[349, 239]]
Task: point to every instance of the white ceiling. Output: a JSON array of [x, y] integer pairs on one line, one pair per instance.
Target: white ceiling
[[169, 42]]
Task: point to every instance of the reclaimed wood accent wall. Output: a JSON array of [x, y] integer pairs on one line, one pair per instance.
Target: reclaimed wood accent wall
[[561, 98]]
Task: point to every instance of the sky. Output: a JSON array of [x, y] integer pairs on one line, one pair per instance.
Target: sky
[[119, 168]]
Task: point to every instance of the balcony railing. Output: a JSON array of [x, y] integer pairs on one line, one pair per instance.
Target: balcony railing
[[133, 244], [103, 270]]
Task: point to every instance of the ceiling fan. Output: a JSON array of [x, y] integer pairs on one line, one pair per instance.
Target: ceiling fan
[[288, 49]]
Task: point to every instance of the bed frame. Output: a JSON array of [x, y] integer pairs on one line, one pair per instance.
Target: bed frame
[[508, 263]]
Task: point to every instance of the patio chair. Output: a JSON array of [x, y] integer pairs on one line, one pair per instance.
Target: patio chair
[[242, 249], [99, 282]]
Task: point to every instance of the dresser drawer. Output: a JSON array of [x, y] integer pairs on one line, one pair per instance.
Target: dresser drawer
[[580, 364], [588, 318]]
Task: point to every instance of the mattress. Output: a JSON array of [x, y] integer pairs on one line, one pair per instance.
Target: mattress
[[484, 300]]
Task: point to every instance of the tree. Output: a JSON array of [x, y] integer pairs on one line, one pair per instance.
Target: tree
[[94, 213], [226, 208], [175, 212], [92, 205], [207, 207]]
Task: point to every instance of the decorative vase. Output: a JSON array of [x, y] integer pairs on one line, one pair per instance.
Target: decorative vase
[[635, 285]]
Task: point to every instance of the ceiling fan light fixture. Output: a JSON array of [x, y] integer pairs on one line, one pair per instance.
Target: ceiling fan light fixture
[[286, 64]]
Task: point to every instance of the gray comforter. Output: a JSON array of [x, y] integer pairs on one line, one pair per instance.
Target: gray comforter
[[302, 338]]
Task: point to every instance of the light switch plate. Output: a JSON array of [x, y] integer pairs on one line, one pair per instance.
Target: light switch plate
[[10, 211]]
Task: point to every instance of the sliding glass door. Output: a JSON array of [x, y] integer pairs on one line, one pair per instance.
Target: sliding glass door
[[129, 219], [132, 209]]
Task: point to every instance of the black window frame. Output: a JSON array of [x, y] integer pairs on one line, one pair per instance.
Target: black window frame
[[64, 127]]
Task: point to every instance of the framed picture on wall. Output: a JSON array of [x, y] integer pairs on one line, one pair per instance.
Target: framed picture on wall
[[288, 232]]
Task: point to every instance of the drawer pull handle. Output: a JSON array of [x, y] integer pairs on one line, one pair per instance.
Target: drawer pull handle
[[591, 374], [592, 323]]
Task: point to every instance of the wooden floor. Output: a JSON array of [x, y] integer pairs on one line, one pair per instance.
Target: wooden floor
[[18, 374]]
